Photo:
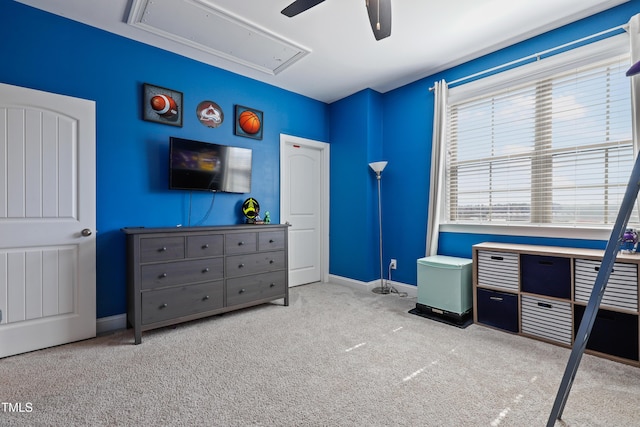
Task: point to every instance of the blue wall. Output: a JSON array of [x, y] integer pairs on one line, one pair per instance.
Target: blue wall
[[407, 129], [356, 140], [408, 124], [50, 53]]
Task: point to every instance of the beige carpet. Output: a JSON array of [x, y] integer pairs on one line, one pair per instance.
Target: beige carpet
[[335, 357]]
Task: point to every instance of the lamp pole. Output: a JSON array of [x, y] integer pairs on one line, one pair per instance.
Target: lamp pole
[[378, 167]]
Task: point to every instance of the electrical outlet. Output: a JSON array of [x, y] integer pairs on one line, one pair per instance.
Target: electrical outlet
[[394, 264]]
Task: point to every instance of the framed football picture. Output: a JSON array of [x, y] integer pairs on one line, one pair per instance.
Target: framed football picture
[[248, 122], [161, 105]]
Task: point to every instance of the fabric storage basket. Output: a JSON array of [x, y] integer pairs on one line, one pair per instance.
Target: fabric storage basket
[[498, 269], [546, 318]]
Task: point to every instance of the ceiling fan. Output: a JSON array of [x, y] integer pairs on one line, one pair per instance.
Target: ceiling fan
[[379, 14]]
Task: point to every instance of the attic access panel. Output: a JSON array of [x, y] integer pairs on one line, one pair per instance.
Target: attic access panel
[[200, 25]]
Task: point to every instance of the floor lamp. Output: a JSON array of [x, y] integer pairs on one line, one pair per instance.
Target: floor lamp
[[378, 167]]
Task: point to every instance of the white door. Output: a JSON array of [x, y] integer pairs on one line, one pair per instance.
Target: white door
[[304, 195], [47, 220]]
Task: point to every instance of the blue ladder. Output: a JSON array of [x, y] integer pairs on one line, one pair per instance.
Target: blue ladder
[[613, 246]]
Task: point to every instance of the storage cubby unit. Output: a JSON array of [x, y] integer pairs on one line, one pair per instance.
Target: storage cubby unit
[[541, 292]]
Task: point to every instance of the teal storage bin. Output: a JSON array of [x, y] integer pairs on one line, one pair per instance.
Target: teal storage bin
[[444, 284]]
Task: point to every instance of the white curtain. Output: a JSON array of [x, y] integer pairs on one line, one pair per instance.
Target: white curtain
[[634, 38], [438, 147]]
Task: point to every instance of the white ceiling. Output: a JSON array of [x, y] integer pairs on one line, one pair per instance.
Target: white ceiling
[[344, 58]]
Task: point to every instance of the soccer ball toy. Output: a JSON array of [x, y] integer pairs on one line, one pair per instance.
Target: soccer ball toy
[[251, 209]]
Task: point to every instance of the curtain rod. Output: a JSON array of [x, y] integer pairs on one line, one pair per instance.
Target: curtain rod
[[537, 56]]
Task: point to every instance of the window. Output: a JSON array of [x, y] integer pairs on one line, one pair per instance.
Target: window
[[552, 149]]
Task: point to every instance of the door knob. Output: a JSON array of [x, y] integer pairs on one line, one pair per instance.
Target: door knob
[[86, 232]]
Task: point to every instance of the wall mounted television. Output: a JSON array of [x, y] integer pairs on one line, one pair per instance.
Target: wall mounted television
[[196, 165]]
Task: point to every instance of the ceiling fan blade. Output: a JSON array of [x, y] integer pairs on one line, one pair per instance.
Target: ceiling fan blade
[[380, 17], [299, 6]]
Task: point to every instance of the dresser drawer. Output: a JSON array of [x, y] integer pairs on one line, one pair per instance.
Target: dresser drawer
[[205, 245], [547, 318], [498, 269], [240, 243], [250, 288], [173, 273], [241, 265], [622, 287], [270, 240], [165, 304], [546, 275], [161, 249]]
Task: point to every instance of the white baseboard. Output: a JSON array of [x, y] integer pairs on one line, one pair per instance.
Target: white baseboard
[[111, 323], [350, 283], [410, 290]]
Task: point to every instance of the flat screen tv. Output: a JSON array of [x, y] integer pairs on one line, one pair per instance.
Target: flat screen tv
[[196, 165]]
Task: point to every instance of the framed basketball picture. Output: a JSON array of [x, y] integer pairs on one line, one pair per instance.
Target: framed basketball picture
[[248, 122], [161, 105]]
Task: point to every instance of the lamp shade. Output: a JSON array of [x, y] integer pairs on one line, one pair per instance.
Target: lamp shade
[[378, 166]]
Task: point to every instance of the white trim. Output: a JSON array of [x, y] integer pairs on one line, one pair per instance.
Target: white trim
[[584, 55], [111, 323], [217, 20], [536, 56], [529, 231], [324, 148], [350, 283]]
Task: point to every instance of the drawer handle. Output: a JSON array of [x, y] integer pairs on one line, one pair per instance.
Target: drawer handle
[[163, 275], [240, 243], [271, 261], [206, 270], [162, 249], [545, 262], [241, 291], [205, 246], [598, 269], [241, 266], [206, 297], [497, 258], [272, 285], [165, 305], [495, 298], [545, 305], [271, 240]]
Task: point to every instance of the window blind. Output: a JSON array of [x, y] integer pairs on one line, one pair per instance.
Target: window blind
[[556, 150]]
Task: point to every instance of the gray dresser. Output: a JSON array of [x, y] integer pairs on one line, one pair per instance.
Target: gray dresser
[[179, 274]]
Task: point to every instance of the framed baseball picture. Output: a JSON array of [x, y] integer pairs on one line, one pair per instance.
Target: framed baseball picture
[[162, 105]]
